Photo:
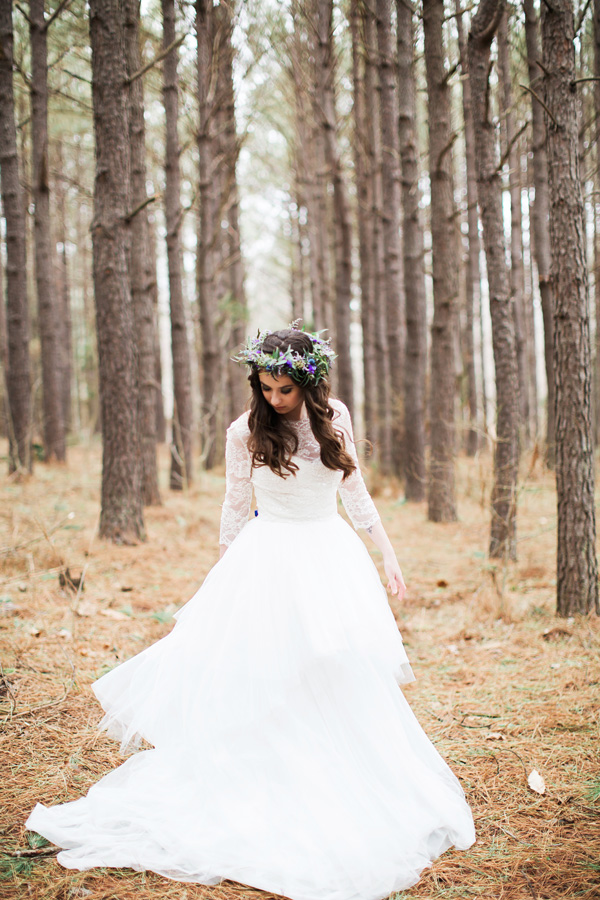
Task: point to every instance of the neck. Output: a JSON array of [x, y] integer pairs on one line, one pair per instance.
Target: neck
[[298, 413]]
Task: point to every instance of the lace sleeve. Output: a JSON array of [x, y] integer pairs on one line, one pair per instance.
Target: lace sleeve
[[238, 487], [353, 491]]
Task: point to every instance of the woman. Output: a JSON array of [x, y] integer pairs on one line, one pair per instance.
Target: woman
[[285, 756]]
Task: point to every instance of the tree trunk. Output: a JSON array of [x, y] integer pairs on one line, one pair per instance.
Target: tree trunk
[[121, 517], [233, 263], [159, 407], [48, 315], [577, 567], [64, 294], [5, 430], [517, 272], [441, 494], [327, 124], [415, 365], [382, 357], [596, 206], [391, 213], [181, 447], [362, 155], [140, 271], [206, 268], [506, 456], [540, 214], [473, 272], [18, 376]]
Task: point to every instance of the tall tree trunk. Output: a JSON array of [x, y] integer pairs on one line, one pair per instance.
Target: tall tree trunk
[[577, 566], [159, 407], [18, 376], [517, 273], [540, 214], [5, 429], [382, 356], [596, 205], [64, 293], [207, 244], [48, 315], [362, 155], [121, 517], [233, 282], [391, 214], [415, 365], [441, 493], [140, 271], [506, 456], [473, 272], [327, 123], [181, 447]]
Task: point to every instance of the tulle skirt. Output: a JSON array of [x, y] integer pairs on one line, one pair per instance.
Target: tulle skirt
[[285, 754]]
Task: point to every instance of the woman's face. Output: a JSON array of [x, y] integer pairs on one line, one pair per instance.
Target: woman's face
[[283, 394]]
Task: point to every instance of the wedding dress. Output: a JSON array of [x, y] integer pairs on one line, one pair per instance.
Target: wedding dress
[[285, 754]]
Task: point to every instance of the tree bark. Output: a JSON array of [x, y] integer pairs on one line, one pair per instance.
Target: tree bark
[[327, 124], [517, 272], [441, 492], [596, 206], [181, 446], [140, 271], [64, 294], [383, 430], [121, 517], [473, 271], [391, 215], [577, 567], [206, 268], [48, 316], [503, 531], [363, 179], [415, 365], [18, 376], [540, 216]]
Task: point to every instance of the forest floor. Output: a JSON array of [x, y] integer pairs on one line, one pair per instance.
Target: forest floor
[[503, 686]]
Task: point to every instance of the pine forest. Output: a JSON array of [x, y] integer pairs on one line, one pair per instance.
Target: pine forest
[[419, 180]]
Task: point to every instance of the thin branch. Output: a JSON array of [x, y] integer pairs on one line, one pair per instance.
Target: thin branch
[[539, 100], [56, 13], [131, 215], [24, 14], [581, 80], [582, 17], [157, 59], [451, 72], [513, 141]]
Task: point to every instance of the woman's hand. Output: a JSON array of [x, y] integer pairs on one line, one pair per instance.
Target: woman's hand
[[394, 575]]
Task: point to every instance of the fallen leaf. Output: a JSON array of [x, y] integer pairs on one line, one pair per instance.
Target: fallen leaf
[[86, 609], [114, 614], [442, 582], [65, 633], [495, 736], [536, 782], [33, 631]]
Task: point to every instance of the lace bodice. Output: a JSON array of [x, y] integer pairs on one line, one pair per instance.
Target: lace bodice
[[310, 493]]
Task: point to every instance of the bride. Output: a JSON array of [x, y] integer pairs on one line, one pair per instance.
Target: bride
[[284, 754]]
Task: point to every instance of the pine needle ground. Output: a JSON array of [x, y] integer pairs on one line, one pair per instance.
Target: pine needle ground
[[503, 686]]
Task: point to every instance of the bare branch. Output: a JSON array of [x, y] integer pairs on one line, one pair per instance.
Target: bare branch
[[539, 100], [62, 5], [157, 59]]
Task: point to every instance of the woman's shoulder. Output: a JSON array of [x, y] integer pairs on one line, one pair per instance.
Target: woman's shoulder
[[341, 412], [239, 427]]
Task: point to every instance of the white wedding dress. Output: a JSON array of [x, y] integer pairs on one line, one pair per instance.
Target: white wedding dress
[[285, 754]]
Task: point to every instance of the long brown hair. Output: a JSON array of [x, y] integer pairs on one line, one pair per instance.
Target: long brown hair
[[272, 440]]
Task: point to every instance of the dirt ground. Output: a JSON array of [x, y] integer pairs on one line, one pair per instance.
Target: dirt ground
[[503, 687]]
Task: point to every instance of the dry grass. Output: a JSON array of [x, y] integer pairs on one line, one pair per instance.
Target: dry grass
[[503, 687]]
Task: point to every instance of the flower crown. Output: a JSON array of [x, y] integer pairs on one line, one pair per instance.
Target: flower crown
[[307, 367]]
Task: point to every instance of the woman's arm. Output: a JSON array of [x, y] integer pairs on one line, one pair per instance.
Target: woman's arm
[[391, 567], [238, 491]]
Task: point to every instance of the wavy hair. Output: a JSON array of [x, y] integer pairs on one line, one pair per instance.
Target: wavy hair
[[272, 440]]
